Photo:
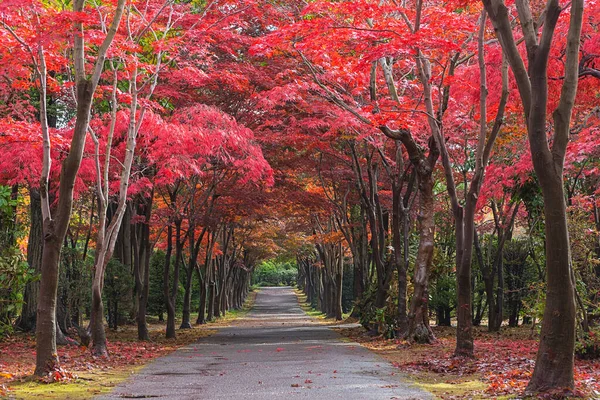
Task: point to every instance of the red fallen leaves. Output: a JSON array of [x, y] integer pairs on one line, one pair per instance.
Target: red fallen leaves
[[18, 359], [503, 362], [58, 375]]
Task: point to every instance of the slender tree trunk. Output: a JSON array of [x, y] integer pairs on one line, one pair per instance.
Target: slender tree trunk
[[211, 291], [142, 275], [192, 265], [97, 321], [170, 332], [338, 311], [202, 306], [187, 298], [34, 259]]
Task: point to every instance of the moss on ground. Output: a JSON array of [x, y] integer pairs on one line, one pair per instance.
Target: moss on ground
[[84, 386], [444, 387]]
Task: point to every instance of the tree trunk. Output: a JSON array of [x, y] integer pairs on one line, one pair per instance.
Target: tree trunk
[[142, 253], [170, 332], [34, 259], [46, 356], [554, 362], [54, 235], [418, 319], [97, 321], [202, 306], [211, 301], [338, 311], [192, 265], [187, 298]]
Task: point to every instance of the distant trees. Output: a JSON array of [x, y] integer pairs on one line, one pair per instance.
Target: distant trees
[[273, 273]]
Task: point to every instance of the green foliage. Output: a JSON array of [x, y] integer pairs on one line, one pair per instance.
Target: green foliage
[[588, 346], [117, 293], [535, 301], [443, 292], [74, 294], [273, 273], [6, 200], [383, 319], [14, 270], [7, 217], [156, 299], [14, 275]]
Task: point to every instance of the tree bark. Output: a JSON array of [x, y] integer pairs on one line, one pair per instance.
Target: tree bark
[[170, 332], [55, 230], [55, 227], [34, 259], [419, 330], [554, 362]]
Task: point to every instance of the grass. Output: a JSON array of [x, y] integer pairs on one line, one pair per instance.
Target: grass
[[91, 376], [313, 312], [86, 385], [308, 309], [442, 387]]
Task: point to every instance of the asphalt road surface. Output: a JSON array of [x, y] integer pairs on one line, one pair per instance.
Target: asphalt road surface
[[275, 352]]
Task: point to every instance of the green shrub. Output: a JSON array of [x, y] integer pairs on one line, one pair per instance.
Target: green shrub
[[14, 275], [588, 346], [272, 273]]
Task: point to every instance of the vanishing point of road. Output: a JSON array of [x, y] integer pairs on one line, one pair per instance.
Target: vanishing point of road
[[275, 352]]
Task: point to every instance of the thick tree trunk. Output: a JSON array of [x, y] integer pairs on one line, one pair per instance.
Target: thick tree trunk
[[554, 362], [418, 319], [46, 356], [54, 235]]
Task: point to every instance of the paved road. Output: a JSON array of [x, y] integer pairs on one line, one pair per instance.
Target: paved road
[[275, 352]]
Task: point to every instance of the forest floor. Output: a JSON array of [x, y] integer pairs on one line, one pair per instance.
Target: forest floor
[[501, 368], [83, 375]]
